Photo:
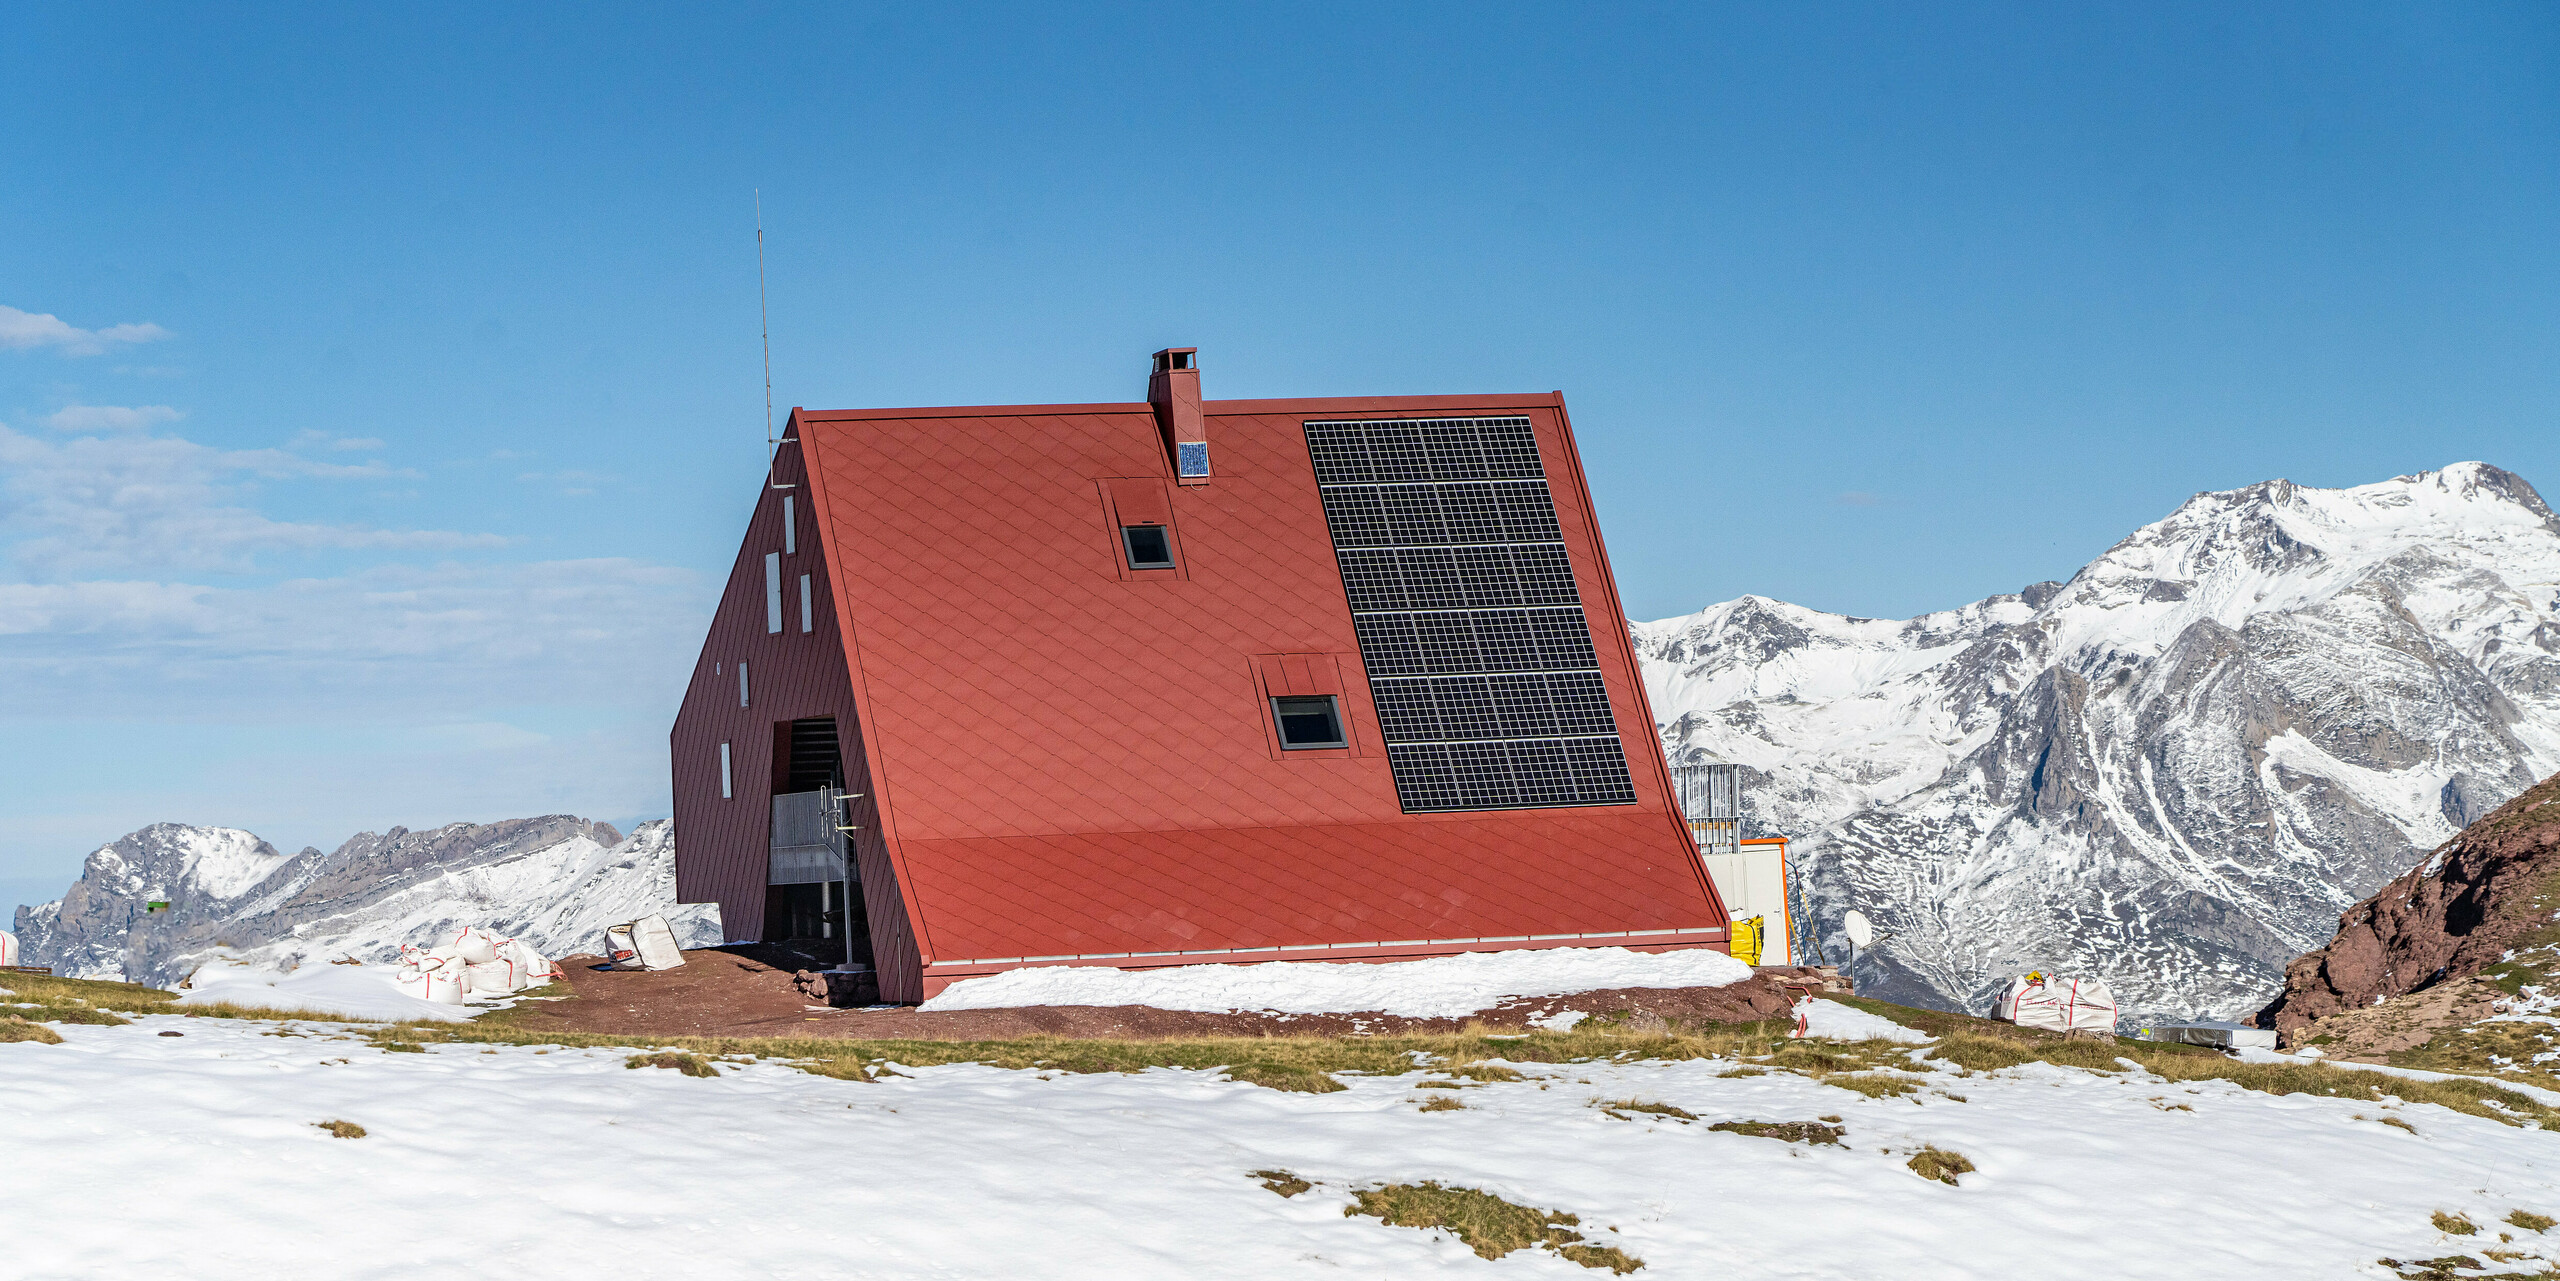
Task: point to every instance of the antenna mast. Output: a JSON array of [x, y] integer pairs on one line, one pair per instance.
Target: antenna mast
[[764, 326]]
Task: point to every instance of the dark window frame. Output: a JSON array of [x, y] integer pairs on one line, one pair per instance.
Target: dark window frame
[[1129, 546], [1281, 715]]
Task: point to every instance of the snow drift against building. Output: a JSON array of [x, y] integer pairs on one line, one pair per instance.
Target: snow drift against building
[[2172, 771], [1438, 987]]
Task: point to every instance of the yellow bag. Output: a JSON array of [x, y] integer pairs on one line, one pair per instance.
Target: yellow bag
[[1746, 940]]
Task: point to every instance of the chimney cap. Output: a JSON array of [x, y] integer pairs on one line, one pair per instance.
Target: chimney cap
[[1173, 358]]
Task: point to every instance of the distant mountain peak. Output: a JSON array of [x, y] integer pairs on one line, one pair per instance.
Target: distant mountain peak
[[2173, 768]]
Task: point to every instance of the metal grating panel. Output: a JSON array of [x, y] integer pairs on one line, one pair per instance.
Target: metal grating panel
[[1479, 656]]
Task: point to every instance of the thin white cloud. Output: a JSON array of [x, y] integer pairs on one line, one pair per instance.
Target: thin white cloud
[[27, 330], [157, 504], [72, 609], [325, 440], [385, 640], [95, 418]]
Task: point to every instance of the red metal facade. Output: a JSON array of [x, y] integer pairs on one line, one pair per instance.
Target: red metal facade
[[1072, 762], [722, 842]]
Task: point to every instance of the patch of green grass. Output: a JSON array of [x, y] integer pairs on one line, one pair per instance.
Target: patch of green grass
[[14, 1029], [678, 1060], [341, 1129], [1786, 1131], [2530, 1221], [1938, 1163], [1489, 1225], [2459, 1225], [1282, 1182]]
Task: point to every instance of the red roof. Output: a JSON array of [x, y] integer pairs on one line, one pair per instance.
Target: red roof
[[1073, 761]]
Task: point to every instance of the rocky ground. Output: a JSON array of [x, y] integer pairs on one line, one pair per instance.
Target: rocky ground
[[2454, 966]]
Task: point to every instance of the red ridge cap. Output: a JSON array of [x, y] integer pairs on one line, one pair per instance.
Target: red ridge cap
[[975, 411]]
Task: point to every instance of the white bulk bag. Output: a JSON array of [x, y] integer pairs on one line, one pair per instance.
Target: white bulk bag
[[475, 946], [644, 944], [429, 977], [8, 948], [533, 969], [2058, 1004], [491, 978]]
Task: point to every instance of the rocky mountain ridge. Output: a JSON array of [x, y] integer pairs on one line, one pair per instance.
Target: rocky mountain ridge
[[2172, 770], [554, 881]]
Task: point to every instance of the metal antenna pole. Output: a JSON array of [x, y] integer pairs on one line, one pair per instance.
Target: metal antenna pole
[[764, 325]]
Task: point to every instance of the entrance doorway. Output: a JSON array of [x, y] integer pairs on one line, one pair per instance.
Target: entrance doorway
[[813, 887]]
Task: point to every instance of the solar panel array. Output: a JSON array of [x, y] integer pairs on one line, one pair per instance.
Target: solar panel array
[[1479, 657]]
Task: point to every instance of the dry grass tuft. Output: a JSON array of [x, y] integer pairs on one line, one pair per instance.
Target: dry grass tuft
[[1786, 1131], [1940, 1164], [1282, 1182], [2530, 1221], [1874, 1085], [678, 1060], [1966, 1045], [1444, 1103], [14, 1029], [66, 1000], [341, 1129], [1601, 1256], [1298, 1063], [2453, 1224], [1489, 1225], [1617, 1106]]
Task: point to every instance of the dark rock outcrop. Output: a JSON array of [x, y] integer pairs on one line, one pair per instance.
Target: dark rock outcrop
[[2459, 911]]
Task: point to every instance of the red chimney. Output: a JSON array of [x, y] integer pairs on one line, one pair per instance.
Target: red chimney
[[1174, 390]]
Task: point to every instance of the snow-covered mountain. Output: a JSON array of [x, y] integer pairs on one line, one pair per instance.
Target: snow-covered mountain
[[555, 882], [2174, 770]]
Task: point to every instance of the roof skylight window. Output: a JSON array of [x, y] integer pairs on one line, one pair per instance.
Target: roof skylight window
[[1149, 546], [1309, 722]]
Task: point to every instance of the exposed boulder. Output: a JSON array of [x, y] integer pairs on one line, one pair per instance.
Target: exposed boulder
[[2489, 891]]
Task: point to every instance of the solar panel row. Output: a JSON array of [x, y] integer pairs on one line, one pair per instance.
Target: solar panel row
[[1479, 655]]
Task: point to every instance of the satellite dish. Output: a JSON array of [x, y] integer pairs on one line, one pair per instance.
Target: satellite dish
[[1861, 930]]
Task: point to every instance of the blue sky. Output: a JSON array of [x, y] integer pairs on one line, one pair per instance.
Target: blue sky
[[381, 393]]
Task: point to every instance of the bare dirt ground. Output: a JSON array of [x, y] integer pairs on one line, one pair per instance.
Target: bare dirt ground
[[750, 991]]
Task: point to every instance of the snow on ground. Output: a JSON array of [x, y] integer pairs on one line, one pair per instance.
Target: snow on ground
[[138, 1155], [1848, 1023], [356, 991], [1438, 987]]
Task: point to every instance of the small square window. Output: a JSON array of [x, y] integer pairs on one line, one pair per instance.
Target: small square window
[[1309, 722], [1149, 546]]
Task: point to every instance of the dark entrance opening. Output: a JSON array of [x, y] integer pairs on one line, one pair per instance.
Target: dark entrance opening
[[813, 895]]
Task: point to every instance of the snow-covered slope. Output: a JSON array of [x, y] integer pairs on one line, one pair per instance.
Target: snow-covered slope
[[562, 1162], [555, 882], [2173, 770]]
